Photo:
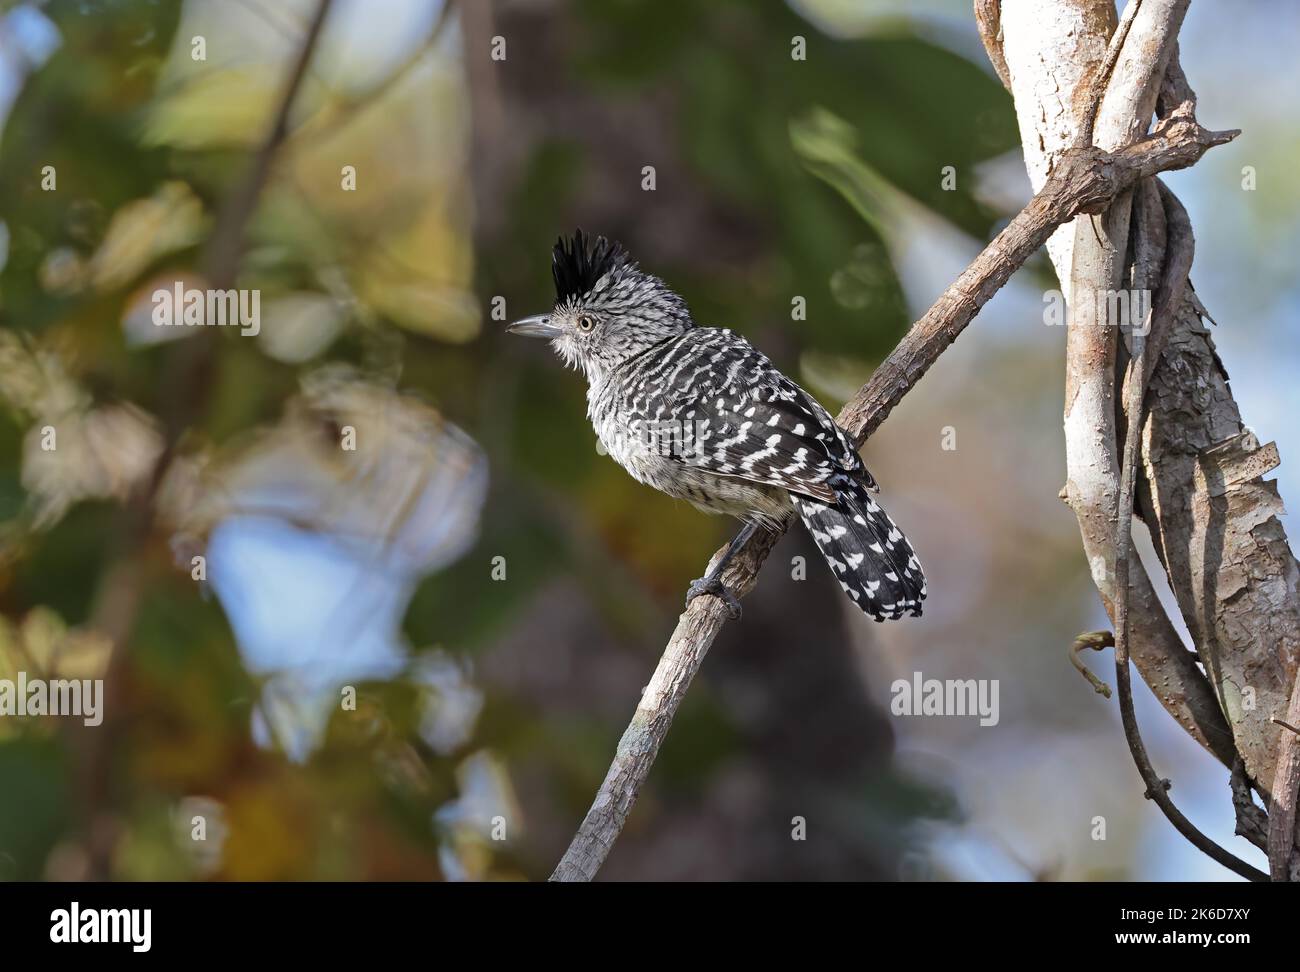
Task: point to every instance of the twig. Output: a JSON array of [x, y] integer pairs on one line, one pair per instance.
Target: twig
[[1083, 180], [1286, 725], [1096, 640], [1178, 263], [988, 19], [228, 236]]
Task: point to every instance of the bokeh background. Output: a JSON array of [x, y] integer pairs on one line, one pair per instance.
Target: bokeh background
[[494, 590]]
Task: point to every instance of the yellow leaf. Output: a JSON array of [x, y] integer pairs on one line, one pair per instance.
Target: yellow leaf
[[143, 230], [42, 631], [219, 108]]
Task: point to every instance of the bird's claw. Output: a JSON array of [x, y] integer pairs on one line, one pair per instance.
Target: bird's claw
[[713, 585]]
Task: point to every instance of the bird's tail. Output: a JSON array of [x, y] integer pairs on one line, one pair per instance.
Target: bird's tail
[[871, 558]]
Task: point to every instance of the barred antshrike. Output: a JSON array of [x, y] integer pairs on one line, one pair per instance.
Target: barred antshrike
[[699, 414]]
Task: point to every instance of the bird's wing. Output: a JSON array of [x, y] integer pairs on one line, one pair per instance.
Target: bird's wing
[[738, 416]]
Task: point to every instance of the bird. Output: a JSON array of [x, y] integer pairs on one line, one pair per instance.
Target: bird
[[702, 415]]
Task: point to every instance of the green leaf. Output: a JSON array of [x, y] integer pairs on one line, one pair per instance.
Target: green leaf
[[34, 813]]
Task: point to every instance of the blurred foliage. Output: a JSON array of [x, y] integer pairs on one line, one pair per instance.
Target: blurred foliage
[[913, 107]]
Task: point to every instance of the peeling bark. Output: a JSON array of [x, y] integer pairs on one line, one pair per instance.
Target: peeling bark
[[1219, 535]]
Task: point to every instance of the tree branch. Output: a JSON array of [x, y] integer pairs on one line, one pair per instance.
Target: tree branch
[[988, 20], [1083, 180], [227, 239], [1101, 81]]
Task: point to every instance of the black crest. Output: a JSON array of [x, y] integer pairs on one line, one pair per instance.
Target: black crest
[[577, 263]]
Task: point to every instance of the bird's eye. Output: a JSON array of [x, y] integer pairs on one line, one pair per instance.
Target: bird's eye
[[586, 323]]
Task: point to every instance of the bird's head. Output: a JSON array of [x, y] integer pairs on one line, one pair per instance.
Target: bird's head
[[606, 309]]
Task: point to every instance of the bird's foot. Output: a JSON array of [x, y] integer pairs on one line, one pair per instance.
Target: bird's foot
[[712, 584]]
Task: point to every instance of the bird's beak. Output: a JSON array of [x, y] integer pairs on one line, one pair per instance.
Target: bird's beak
[[539, 325]]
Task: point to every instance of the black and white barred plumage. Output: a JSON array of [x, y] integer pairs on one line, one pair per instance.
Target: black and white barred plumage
[[700, 414]]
